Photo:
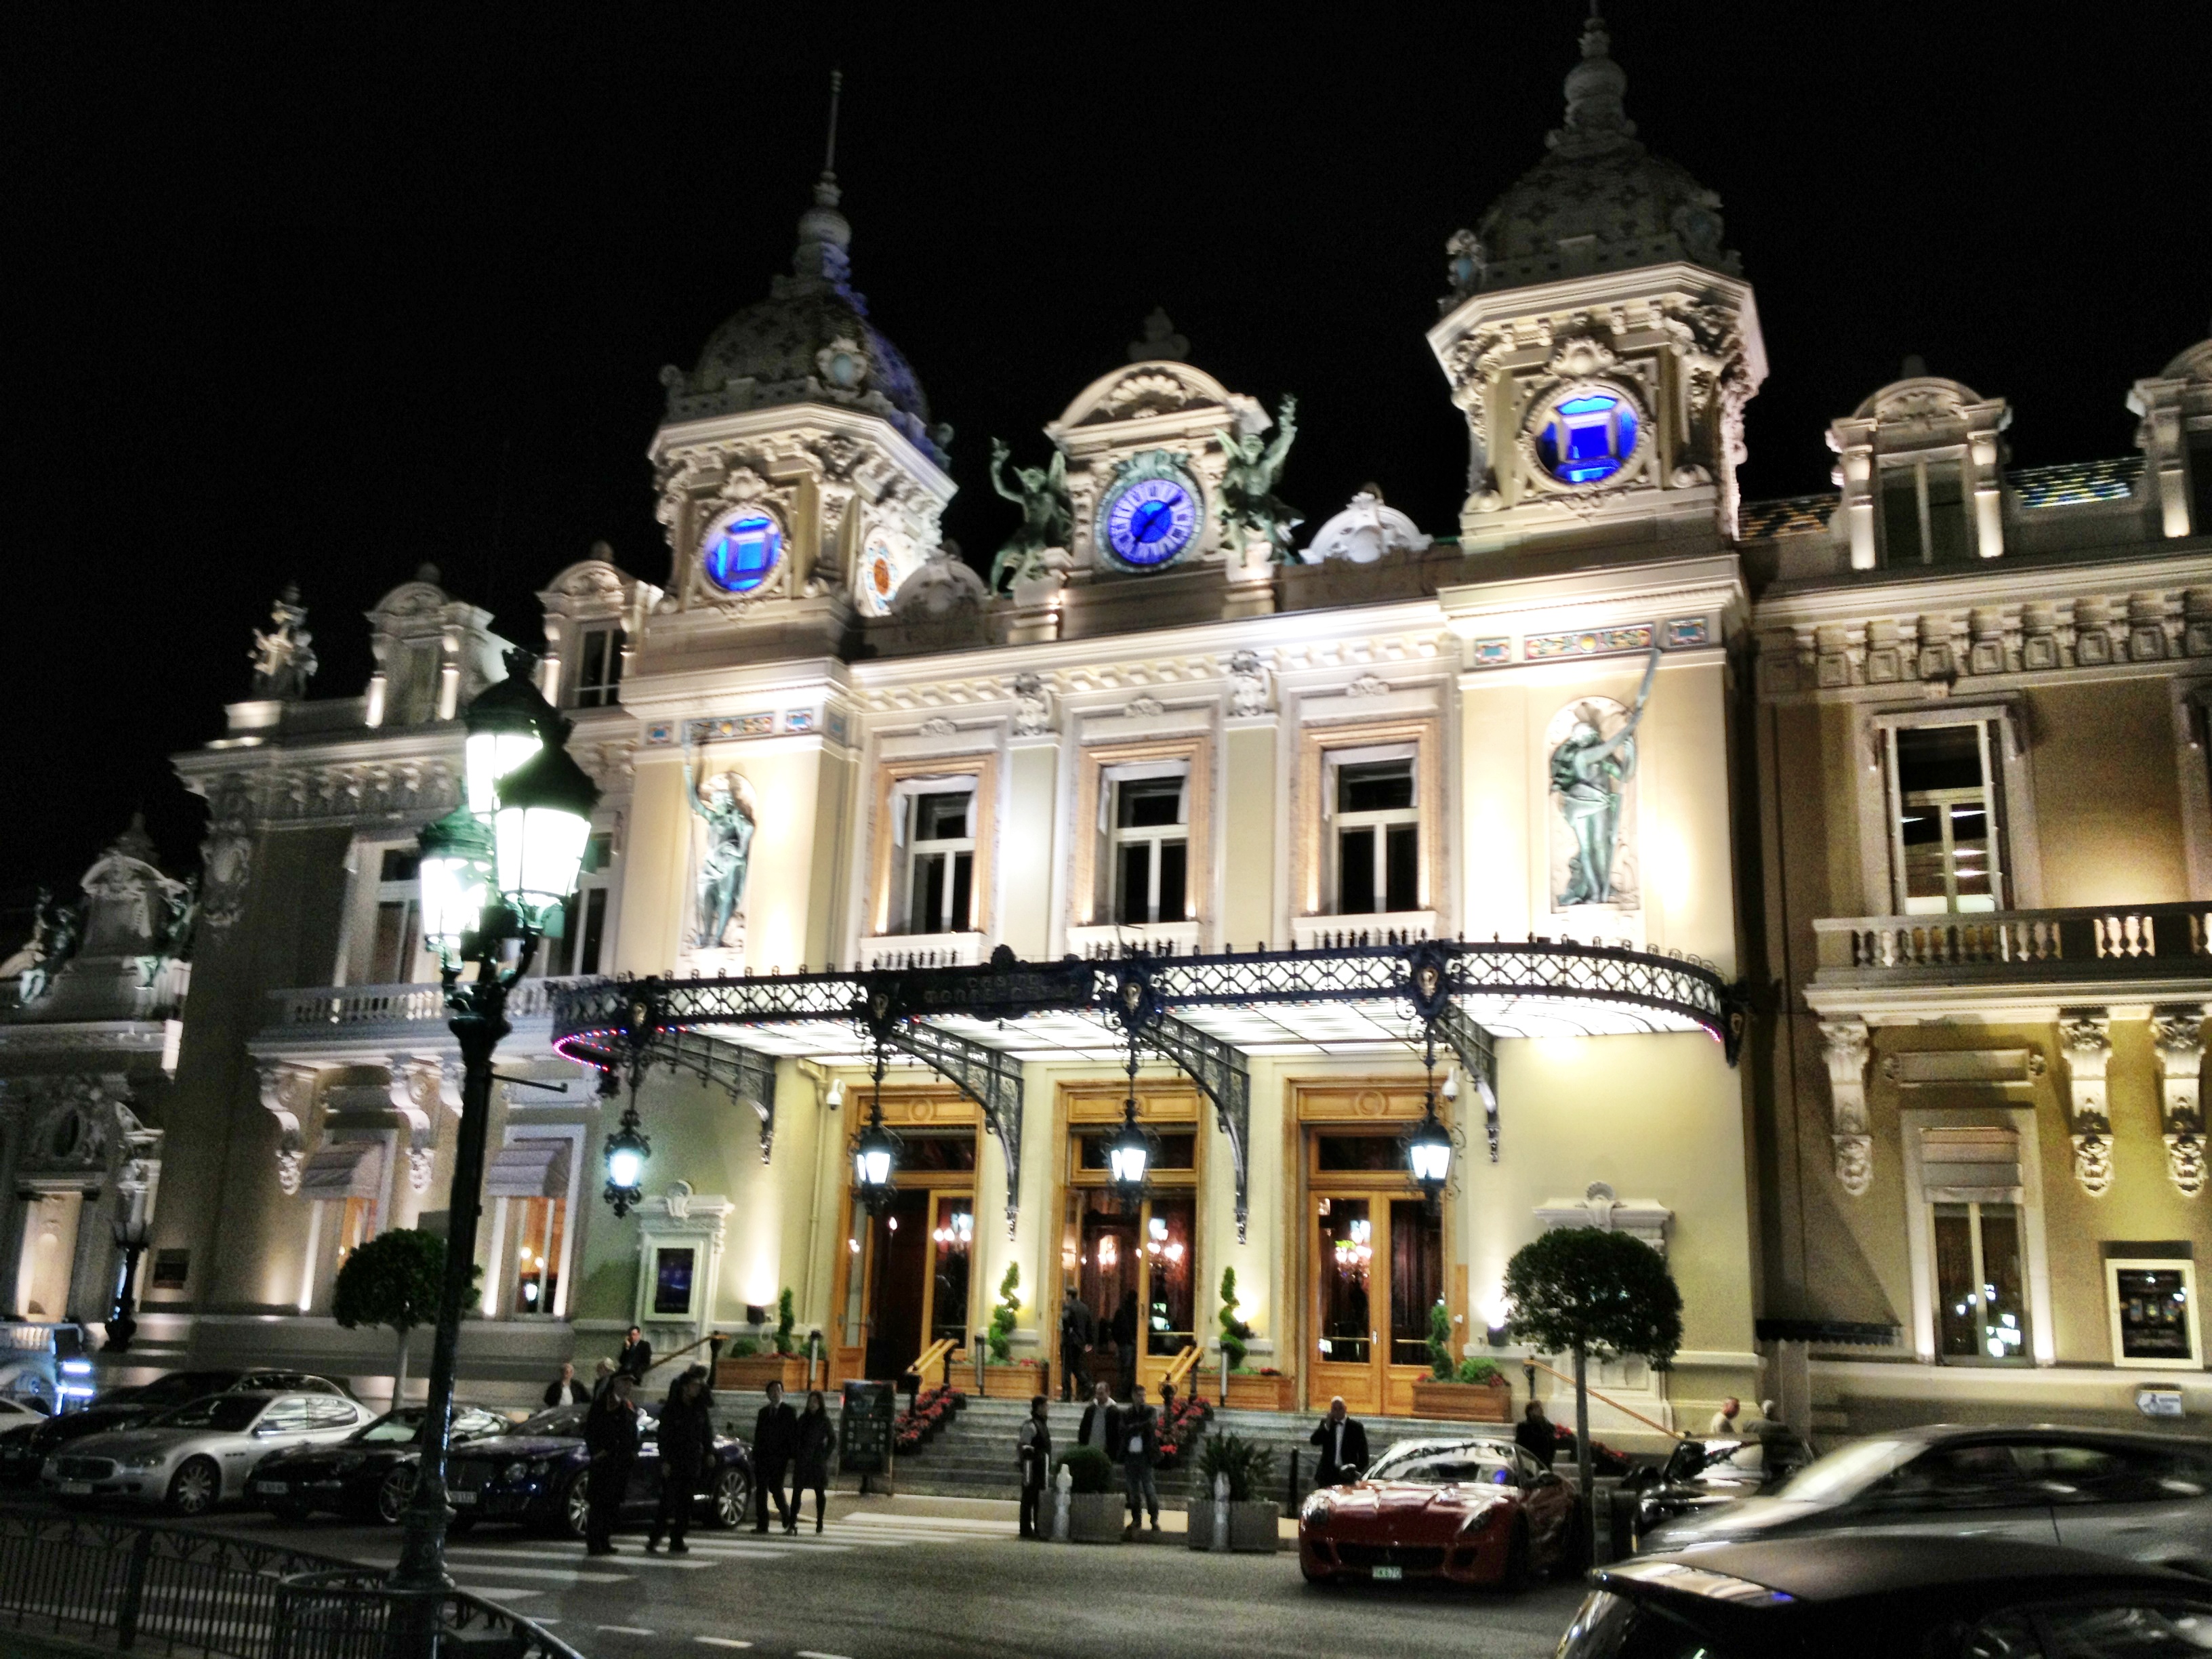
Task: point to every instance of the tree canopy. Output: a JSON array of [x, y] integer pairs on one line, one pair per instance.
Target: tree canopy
[[394, 1279], [1605, 1293]]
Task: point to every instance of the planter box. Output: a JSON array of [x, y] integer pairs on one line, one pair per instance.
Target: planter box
[[1464, 1403], [1020, 1380], [1095, 1517], [1251, 1528], [754, 1372], [1260, 1394]]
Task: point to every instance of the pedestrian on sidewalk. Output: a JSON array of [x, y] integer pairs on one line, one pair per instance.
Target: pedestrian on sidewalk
[[1101, 1417], [568, 1388], [1033, 1446], [1343, 1441], [610, 1435], [687, 1435], [1125, 1342], [810, 1462], [1139, 1435], [775, 1438], [1534, 1434], [1078, 1335]]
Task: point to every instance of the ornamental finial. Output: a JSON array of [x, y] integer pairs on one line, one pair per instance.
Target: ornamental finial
[[1597, 117]]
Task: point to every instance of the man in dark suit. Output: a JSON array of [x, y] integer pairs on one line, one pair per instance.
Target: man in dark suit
[[610, 1435], [775, 1440], [1343, 1443], [1101, 1418], [568, 1388], [1033, 1448], [635, 1358]]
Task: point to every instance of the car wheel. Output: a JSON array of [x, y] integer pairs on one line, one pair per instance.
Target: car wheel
[[1515, 1575], [194, 1488], [392, 1497], [728, 1498], [576, 1509]]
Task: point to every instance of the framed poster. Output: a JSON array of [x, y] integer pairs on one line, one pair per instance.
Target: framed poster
[[2154, 1310], [864, 1427]]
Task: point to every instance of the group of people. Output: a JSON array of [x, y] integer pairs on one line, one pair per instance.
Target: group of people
[[1127, 1432], [1087, 1344]]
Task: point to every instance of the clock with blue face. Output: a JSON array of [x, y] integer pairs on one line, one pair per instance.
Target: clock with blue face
[[1151, 515]]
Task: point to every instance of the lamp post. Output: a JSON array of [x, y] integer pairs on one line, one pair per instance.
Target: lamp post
[[131, 1238], [875, 1149], [495, 873]]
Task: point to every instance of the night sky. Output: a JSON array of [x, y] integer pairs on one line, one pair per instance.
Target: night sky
[[320, 293]]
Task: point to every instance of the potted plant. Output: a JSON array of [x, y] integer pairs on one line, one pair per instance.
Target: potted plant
[[751, 1363], [1239, 1515], [1265, 1389], [1004, 1377], [395, 1280], [1470, 1390], [1094, 1506]]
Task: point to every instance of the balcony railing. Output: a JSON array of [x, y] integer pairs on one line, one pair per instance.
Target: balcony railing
[[308, 1015], [2129, 941]]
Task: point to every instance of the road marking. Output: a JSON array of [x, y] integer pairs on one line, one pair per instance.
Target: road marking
[[715, 1641], [563, 1576], [809, 1653], [941, 1523], [501, 1593], [623, 1630]]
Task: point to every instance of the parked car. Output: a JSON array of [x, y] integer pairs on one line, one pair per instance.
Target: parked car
[[1476, 1511], [22, 1459], [369, 1474], [1701, 1473], [194, 1457], [535, 1476], [1929, 1598], [2147, 1497]]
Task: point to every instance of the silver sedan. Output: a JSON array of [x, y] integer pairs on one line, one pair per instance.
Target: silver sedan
[[192, 1458], [2144, 1498]]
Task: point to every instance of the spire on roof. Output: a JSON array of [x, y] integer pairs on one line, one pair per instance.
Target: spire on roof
[[824, 234], [1597, 117]]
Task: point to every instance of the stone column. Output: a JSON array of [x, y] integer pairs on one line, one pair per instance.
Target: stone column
[[2178, 1034], [1846, 1044], [2086, 1034]]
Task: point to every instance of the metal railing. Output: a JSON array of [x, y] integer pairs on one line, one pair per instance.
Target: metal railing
[[164, 1590], [2102, 941]]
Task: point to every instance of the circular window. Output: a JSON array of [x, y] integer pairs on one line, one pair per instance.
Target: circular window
[[741, 553], [1587, 437]]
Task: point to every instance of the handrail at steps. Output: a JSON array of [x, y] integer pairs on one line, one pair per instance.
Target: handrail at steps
[[939, 1353], [711, 1337], [1181, 1367], [1629, 1411]]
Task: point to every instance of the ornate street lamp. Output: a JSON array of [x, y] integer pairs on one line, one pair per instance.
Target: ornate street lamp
[[1130, 1155], [628, 1148], [1428, 1144], [494, 874], [876, 1149]]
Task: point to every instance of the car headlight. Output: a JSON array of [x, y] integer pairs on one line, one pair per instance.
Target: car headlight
[[1317, 1512], [1480, 1519], [145, 1460]]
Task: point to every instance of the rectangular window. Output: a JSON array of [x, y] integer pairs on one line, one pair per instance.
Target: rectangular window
[[1378, 837], [599, 668], [2200, 483], [356, 1226], [538, 1225], [1417, 1278], [940, 862], [1981, 1284], [171, 1269], [952, 1232], [1946, 841], [1149, 856], [671, 1280], [1170, 1261], [1924, 514], [396, 951], [2154, 1309], [49, 1256]]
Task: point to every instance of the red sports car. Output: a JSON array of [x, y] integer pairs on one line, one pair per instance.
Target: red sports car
[[1475, 1511]]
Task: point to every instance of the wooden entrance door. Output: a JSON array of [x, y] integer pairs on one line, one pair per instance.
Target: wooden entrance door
[[915, 1285], [1376, 1260]]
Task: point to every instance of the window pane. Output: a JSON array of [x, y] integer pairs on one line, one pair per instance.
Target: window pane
[[924, 1153], [1362, 1154], [1969, 851], [1947, 515], [1148, 802], [1958, 1306], [400, 864], [1402, 861], [1172, 901], [1930, 757], [952, 1233], [2003, 1285], [1355, 864], [1900, 515], [941, 817], [1106, 1267], [595, 930], [1375, 786], [1174, 1151], [1171, 1262], [394, 958], [592, 668], [1133, 888], [1347, 1245], [927, 899], [2200, 483], [963, 874], [1417, 1278]]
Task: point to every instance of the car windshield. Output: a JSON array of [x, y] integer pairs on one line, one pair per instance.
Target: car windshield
[[562, 1419], [1439, 1465], [225, 1414], [396, 1430], [1845, 1472], [179, 1387]]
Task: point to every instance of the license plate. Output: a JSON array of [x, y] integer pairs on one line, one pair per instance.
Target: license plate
[[274, 1488], [77, 1488], [1388, 1574], [463, 1498]]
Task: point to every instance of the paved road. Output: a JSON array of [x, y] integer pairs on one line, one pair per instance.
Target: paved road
[[918, 1578]]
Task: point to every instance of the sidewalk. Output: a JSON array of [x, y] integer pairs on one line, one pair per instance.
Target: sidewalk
[[994, 1515]]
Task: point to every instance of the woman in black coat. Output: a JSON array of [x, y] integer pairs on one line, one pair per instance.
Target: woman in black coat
[[687, 1439], [809, 1465]]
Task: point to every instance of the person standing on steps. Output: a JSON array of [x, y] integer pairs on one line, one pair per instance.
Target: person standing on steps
[[776, 1437], [611, 1434], [810, 1462], [636, 1355], [1125, 1342], [1033, 1446], [1534, 1434], [687, 1435], [1137, 1430], [1343, 1441], [1078, 1335], [1101, 1417]]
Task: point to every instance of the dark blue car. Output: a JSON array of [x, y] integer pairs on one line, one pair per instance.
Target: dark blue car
[[535, 1476]]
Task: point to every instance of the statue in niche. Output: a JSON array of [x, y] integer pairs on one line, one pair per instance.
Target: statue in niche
[[1589, 767], [56, 930], [725, 807], [183, 919], [1047, 521], [1249, 505], [283, 658]]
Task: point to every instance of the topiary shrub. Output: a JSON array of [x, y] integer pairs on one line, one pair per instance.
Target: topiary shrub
[[1235, 1333], [1440, 1333], [1000, 1337], [396, 1280], [785, 1320], [1089, 1469]]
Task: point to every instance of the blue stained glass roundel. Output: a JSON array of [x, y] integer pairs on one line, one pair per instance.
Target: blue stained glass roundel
[[740, 555], [1151, 521], [1589, 438]]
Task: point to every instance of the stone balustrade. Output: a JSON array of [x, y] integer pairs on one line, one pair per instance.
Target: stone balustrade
[[2152, 940], [314, 1016]]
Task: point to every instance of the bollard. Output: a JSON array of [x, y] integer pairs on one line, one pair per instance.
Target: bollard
[[1292, 1499], [1064, 1485]]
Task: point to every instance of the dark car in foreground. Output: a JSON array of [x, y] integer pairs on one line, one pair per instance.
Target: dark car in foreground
[[1914, 1598], [369, 1474], [23, 1454], [1699, 1475], [2147, 1497], [534, 1474]]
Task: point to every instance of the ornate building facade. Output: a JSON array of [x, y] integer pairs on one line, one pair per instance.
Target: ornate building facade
[[1612, 761]]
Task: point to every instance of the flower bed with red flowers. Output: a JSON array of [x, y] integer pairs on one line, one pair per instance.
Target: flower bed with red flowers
[[1180, 1425], [932, 1408]]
